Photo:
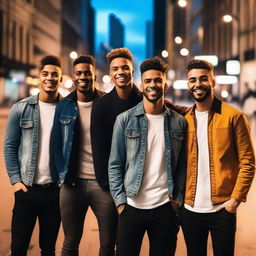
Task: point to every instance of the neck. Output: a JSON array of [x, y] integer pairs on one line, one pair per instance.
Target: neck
[[205, 105], [51, 97], [124, 93], [85, 97], [153, 108]]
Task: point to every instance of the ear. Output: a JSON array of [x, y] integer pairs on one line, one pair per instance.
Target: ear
[[61, 79], [95, 78], [165, 87], [213, 83], [141, 87]]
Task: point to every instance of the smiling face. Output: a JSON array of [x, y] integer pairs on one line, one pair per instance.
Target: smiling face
[[84, 77], [50, 78], [200, 84], [153, 85], [121, 72]]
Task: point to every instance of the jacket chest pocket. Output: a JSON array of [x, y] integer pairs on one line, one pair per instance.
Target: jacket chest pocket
[[27, 128], [65, 125], [132, 141]]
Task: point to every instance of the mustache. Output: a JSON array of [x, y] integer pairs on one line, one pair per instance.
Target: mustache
[[199, 87], [155, 88]]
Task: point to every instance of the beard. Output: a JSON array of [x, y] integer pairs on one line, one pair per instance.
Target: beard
[[158, 96], [207, 93]]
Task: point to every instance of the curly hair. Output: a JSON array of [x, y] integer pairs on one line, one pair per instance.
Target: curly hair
[[153, 63], [85, 59], [119, 53], [49, 60], [200, 64]]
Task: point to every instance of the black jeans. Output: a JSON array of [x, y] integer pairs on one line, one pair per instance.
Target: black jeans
[[160, 224], [38, 202], [74, 203], [196, 228]]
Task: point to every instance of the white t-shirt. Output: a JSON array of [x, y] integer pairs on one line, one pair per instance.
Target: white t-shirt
[[85, 166], [203, 202], [154, 186], [43, 172]]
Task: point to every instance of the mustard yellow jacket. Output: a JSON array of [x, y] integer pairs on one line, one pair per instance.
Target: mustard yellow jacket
[[232, 160]]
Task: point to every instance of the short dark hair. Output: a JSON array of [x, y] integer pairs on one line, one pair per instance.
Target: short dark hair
[[85, 59], [153, 63], [119, 53], [49, 60], [200, 64]]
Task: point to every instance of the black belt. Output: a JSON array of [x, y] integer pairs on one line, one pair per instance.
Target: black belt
[[47, 185]]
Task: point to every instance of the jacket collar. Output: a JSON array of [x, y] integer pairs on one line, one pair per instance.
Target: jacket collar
[[215, 108], [139, 109], [33, 100], [73, 96]]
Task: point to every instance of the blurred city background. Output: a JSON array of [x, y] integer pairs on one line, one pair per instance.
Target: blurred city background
[[221, 31]]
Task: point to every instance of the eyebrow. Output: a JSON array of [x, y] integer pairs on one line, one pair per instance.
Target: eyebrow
[[203, 76]]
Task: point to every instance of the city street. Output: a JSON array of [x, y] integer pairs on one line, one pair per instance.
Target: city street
[[246, 228]]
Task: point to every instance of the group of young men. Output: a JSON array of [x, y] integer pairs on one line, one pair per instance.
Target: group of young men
[[140, 162]]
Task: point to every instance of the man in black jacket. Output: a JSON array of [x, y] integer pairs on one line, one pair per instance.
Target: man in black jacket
[[124, 96]]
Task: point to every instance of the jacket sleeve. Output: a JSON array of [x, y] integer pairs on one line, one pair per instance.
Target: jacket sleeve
[[100, 147], [180, 172], [12, 144], [57, 145], [117, 162], [246, 157]]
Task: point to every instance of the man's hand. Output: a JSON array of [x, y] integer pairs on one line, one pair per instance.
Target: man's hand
[[120, 208], [174, 205], [19, 186], [231, 205]]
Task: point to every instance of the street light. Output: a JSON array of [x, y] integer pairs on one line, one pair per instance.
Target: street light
[[73, 55], [165, 53], [178, 40], [184, 52], [182, 3]]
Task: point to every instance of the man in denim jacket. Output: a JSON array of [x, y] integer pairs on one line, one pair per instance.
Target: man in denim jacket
[[28, 161], [147, 168]]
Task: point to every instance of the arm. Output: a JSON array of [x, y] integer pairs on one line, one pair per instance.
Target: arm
[[180, 172], [57, 145], [246, 158], [100, 147], [117, 162], [12, 144]]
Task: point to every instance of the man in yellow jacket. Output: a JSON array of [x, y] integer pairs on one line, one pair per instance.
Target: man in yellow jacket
[[220, 166]]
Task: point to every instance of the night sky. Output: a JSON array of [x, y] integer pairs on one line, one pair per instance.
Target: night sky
[[133, 14]]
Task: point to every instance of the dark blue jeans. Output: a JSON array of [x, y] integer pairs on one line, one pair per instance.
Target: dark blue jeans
[[74, 203], [40, 203], [159, 223], [197, 226]]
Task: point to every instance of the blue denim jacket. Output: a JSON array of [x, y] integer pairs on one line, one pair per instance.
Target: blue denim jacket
[[21, 141], [128, 151], [66, 137]]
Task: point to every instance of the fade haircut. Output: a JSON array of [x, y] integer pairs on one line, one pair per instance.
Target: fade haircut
[[49, 60], [119, 53], [153, 63], [85, 59], [200, 64]]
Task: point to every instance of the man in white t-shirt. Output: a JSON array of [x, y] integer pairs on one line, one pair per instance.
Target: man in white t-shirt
[[220, 166], [74, 162], [147, 168], [28, 158]]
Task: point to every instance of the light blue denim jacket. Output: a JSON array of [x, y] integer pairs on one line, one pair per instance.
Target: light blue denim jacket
[[21, 141], [128, 151]]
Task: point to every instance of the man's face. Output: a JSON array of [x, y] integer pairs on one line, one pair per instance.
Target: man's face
[[153, 85], [50, 77], [200, 84], [84, 77], [121, 72]]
